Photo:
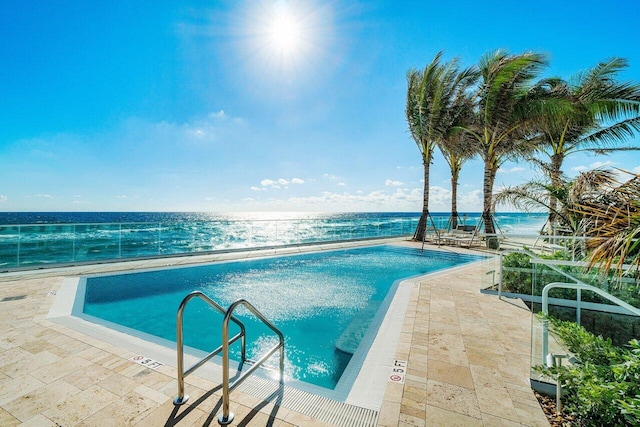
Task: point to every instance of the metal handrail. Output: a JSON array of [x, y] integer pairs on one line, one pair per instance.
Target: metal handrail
[[182, 398], [227, 417], [578, 287], [534, 260]]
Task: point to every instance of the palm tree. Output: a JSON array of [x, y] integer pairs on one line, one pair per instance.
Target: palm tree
[[503, 121], [456, 146], [431, 94], [591, 112]]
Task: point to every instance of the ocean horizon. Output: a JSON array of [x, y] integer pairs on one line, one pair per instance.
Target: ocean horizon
[[33, 239], [67, 217]]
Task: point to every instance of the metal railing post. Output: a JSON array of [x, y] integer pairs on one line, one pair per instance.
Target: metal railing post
[[120, 240], [182, 373], [500, 275], [577, 286], [578, 308], [19, 241], [181, 398], [227, 416], [73, 250], [282, 364]]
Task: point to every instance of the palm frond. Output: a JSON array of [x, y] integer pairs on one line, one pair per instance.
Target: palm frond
[[613, 134], [612, 218]]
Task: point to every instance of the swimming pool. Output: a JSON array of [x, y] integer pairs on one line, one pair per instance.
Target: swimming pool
[[328, 304]]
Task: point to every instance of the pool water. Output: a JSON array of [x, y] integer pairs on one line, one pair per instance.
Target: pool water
[[323, 302]]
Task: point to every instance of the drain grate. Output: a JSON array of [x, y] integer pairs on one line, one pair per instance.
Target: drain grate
[[322, 409], [13, 298]]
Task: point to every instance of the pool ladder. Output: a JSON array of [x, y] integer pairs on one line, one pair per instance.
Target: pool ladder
[[226, 417]]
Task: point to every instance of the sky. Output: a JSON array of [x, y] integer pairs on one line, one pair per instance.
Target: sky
[[277, 105]]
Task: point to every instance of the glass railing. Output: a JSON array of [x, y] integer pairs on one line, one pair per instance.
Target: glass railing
[[599, 315], [525, 272], [598, 300], [34, 246]]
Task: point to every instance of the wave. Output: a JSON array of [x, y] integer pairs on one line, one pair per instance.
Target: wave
[[143, 234]]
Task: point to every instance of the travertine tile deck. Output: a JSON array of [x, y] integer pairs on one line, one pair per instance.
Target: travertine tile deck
[[467, 353]]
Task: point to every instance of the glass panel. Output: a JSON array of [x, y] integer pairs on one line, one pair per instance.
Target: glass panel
[[138, 240], [46, 244], [97, 242], [9, 246]]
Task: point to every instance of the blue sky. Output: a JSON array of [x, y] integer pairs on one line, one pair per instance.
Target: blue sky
[[207, 106]]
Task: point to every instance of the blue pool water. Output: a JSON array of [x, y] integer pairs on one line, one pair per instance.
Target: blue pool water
[[323, 302]]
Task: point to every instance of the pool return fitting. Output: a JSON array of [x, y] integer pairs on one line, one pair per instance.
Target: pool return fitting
[[226, 417]]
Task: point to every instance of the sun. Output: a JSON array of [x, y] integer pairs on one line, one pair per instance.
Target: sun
[[284, 31], [284, 42]]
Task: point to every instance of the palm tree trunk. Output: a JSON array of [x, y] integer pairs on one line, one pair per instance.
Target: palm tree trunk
[[490, 169], [454, 198], [422, 223], [555, 174]]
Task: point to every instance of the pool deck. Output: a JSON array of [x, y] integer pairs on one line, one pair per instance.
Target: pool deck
[[467, 355]]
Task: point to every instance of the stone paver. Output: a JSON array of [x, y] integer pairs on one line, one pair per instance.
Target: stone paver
[[468, 356], [476, 351]]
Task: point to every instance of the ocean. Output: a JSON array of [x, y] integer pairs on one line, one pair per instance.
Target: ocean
[[37, 239]]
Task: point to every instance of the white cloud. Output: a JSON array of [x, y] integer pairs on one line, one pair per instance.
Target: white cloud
[[280, 183], [3, 198], [44, 196], [122, 196], [596, 165], [212, 128], [331, 177], [219, 115], [512, 170], [401, 199], [254, 188], [342, 184], [391, 199], [390, 183], [472, 200], [636, 169]]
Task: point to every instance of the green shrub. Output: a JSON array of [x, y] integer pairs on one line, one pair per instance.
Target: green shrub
[[603, 387], [516, 273]]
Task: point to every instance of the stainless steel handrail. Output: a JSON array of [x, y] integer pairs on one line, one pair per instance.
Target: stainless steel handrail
[[182, 398], [227, 417], [578, 286]]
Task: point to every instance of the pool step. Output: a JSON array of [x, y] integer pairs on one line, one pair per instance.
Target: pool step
[[350, 339]]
